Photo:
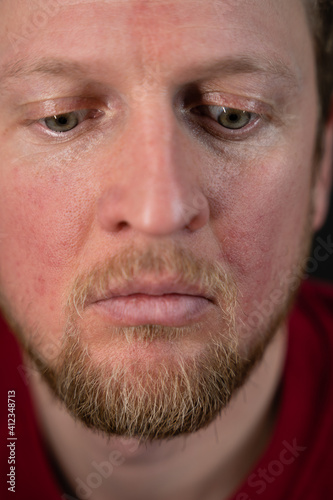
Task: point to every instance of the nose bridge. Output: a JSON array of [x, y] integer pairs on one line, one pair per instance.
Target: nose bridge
[[158, 186], [151, 124], [157, 148]]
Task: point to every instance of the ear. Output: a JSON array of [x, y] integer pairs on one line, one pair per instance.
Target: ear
[[323, 180]]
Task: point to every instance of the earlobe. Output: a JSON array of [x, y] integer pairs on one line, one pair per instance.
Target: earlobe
[[323, 180]]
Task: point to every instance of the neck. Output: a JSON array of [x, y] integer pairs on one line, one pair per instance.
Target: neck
[[210, 463]]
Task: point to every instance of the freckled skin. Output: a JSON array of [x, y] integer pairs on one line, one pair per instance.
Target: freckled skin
[[149, 171], [60, 205]]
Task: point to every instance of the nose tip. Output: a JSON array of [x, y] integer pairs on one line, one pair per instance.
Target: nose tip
[[173, 212], [153, 212]]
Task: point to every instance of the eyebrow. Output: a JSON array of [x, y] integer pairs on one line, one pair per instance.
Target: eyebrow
[[55, 67], [252, 65], [228, 66]]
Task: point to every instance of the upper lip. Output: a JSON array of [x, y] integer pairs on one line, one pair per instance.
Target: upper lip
[[154, 288]]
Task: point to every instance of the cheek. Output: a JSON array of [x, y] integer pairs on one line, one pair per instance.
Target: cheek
[[262, 231], [44, 223]]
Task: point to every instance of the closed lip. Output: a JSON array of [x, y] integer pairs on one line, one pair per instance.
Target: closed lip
[[154, 288]]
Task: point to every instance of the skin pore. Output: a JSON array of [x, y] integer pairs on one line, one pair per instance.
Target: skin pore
[[150, 170]]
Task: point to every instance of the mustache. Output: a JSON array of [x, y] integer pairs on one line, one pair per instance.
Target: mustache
[[158, 262]]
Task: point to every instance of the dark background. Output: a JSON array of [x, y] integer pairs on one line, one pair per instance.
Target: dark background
[[323, 270]]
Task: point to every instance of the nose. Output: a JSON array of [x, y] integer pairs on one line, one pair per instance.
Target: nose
[[153, 186]]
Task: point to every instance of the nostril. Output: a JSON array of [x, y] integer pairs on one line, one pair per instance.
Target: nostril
[[122, 225]]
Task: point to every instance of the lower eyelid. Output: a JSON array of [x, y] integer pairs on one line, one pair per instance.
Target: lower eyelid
[[220, 133], [43, 134]]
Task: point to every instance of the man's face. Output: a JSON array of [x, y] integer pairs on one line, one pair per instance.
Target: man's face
[[176, 133]]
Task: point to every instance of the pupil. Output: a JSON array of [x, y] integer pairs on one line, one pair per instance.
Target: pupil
[[233, 117], [62, 120]]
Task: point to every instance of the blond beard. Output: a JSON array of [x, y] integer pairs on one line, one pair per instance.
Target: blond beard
[[153, 400]]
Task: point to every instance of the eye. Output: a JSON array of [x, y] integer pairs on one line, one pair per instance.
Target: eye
[[229, 118], [234, 118], [66, 122]]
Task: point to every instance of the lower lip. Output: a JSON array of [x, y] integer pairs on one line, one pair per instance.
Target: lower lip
[[141, 309]]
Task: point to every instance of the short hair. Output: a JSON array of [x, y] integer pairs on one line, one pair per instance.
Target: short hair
[[320, 14]]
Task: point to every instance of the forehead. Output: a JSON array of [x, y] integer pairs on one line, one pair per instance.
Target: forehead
[[160, 34]]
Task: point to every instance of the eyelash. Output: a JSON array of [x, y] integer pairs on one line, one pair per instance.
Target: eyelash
[[203, 114], [204, 118], [83, 116]]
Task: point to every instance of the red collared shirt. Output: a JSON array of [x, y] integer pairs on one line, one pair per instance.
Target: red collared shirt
[[298, 461]]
